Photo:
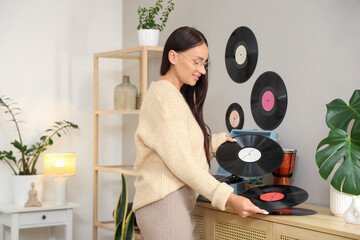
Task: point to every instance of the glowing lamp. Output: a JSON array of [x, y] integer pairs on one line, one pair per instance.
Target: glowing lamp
[[60, 165]]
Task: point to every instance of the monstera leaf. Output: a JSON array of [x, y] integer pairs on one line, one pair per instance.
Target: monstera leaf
[[339, 114], [341, 146]]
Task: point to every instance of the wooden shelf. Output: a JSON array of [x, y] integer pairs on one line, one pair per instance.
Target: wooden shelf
[[125, 112], [132, 53], [109, 225], [116, 169], [142, 54]]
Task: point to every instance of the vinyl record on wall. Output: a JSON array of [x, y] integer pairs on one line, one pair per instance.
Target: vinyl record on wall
[[234, 117], [241, 54], [269, 100]]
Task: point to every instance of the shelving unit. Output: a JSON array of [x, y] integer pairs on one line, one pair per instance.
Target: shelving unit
[[141, 54]]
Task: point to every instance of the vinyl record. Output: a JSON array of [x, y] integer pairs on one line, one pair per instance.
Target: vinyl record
[[268, 101], [273, 197], [234, 118], [250, 156], [241, 54], [293, 211]]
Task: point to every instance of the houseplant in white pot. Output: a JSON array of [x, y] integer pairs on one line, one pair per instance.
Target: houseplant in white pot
[[150, 24], [338, 155], [23, 162]]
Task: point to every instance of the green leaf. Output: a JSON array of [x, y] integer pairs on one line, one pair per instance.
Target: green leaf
[[118, 232], [341, 146], [147, 16], [339, 114], [121, 207], [129, 227]]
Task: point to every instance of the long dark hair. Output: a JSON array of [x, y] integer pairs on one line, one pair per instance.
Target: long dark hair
[[183, 39]]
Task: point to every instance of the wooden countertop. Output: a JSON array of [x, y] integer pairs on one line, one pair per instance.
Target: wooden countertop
[[323, 221]]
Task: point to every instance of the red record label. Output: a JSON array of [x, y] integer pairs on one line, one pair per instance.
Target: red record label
[[272, 196], [268, 101]]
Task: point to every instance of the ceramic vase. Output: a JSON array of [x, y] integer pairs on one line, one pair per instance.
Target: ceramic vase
[[125, 95], [352, 214]]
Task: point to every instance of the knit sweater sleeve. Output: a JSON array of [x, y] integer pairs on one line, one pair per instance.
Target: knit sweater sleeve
[[216, 141], [171, 140]]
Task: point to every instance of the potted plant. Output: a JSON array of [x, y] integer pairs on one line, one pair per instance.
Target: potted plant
[[24, 162], [124, 217], [149, 26], [340, 151]]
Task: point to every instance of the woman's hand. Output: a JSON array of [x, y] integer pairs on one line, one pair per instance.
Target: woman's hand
[[230, 139], [243, 206]]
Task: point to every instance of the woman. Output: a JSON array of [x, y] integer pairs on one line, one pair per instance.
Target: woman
[[174, 147]]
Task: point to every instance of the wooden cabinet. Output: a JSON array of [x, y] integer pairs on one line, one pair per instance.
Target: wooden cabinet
[[215, 224], [48, 215], [141, 54]]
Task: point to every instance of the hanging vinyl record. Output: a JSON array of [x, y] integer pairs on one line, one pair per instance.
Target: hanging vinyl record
[[250, 156], [234, 118], [273, 197], [268, 100], [241, 54]]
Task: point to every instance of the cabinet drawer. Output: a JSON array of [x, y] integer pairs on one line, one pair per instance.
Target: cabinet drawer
[[43, 218], [285, 232]]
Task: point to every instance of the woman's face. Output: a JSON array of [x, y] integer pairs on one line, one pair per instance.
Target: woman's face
[[191, 64]]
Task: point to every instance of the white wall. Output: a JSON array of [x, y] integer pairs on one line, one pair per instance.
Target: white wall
[[46, 65], [313, 45]]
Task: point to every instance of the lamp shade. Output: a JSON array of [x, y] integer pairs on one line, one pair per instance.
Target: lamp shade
[[59, 164]]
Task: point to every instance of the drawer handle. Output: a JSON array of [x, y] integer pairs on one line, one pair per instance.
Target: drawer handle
[[43, 217]]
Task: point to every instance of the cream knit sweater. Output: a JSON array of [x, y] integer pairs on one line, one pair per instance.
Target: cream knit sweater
[[170, 150]]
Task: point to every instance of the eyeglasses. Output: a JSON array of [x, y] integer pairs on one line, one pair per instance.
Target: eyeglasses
[[197, 64]]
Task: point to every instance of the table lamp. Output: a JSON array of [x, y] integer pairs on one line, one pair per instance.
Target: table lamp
[[60, 165]]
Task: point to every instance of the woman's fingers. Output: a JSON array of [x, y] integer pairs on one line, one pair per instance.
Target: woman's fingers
[[230, 139]]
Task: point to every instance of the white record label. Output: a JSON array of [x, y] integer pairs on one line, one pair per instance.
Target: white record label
[[249, 154], [240, 54]]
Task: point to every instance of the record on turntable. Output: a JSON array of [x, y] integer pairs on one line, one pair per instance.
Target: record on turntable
[[241, 54], [269, 100], [250, 156], [234, 117], [274, 197]]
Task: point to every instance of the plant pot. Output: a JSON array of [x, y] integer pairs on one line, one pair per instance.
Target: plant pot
[[339, 202], [21, 185], [148, 37]]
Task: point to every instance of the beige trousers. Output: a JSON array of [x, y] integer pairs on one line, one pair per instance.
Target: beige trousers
[[169, 218]]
